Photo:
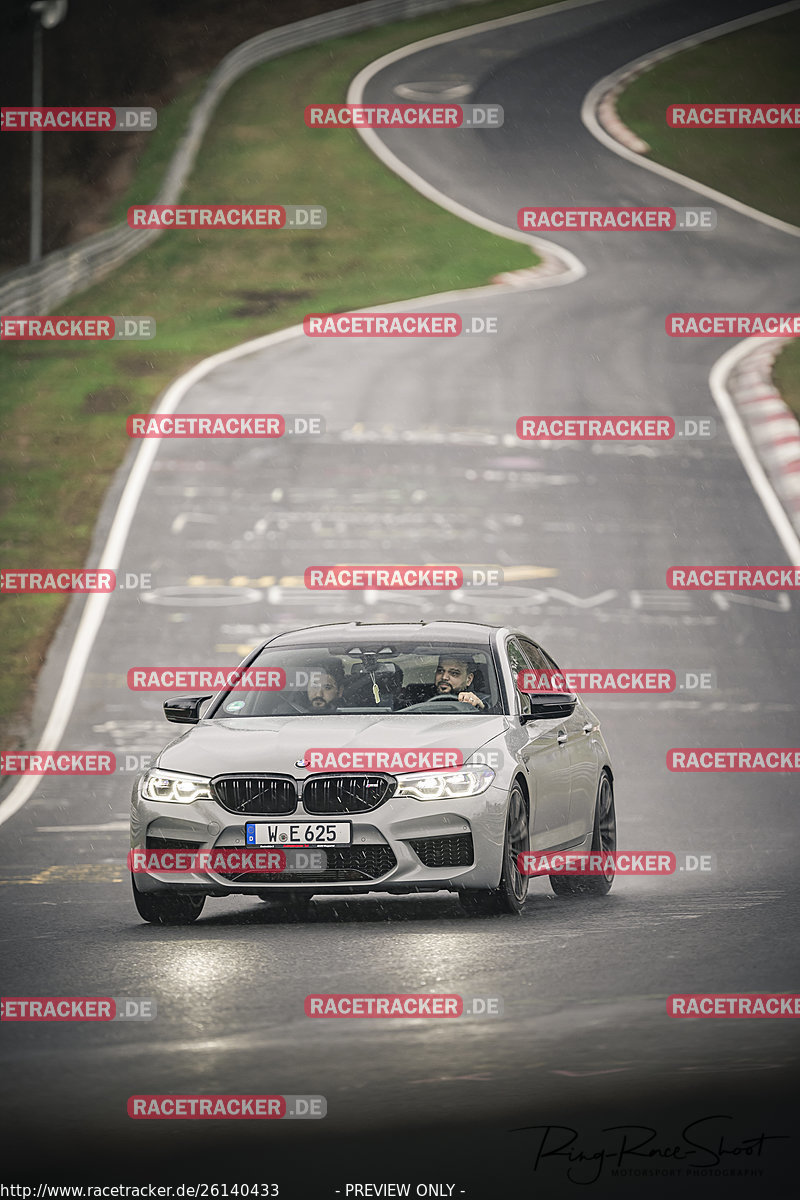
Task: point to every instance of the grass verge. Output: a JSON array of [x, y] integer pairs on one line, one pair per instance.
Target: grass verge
[[760, 168], [63, 407], [759, 64], [786, 375]]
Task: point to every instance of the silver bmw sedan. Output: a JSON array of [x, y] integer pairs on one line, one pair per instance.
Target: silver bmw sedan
[[355, 758]]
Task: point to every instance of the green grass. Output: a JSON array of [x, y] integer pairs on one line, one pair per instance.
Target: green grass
[[758, 65], [63, 407], [786, 375]]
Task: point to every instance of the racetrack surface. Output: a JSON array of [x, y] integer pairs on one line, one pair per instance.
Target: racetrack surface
[[421, 464]]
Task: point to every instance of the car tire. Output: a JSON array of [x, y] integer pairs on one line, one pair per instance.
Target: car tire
[[510, 895], [604, 838], [167, 908]]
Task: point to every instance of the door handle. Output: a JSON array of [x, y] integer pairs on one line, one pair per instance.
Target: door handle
[[561, 737], [588, 727]]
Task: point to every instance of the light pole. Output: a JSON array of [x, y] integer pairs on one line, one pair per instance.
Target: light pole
[[49, 13]]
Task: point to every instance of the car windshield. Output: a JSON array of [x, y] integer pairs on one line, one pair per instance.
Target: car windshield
[[366, 677]]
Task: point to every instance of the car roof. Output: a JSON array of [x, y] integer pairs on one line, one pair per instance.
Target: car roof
[[401, 631]]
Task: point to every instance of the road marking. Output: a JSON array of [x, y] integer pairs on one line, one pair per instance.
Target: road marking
[[434, 89], [523, 571], [180, 521], [90, 873], [111, 827], [581, 1074], [355, 95]]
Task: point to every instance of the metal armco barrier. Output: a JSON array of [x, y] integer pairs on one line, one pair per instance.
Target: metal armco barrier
[[36, 290]]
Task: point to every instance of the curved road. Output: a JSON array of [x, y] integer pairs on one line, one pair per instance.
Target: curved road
[[420, 463]]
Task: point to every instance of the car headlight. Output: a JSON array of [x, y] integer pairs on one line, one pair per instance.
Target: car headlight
[[174, 787], [453, 786]]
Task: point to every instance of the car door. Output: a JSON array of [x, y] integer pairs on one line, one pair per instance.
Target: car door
[[544, 754], [580, 748]]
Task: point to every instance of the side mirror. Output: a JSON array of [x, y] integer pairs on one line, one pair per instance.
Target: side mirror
[[551, 707], [185, 710]]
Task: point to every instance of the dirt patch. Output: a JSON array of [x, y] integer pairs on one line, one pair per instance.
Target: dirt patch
[[261, 304], [107, 400]]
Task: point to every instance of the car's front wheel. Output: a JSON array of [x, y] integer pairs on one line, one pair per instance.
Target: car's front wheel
[[604, 839], [167, 908], [512, 891]]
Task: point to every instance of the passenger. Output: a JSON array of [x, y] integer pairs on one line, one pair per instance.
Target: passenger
[[325, 686]]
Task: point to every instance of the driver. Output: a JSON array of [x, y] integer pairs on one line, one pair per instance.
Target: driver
[[325, 686], [453, 677]]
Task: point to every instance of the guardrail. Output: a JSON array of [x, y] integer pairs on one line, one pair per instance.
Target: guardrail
[[35, 290]]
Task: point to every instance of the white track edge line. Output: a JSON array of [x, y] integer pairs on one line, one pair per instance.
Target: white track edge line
[[744, 448], [575, 268]]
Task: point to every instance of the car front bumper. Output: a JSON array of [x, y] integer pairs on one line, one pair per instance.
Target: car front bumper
[[408, 831]]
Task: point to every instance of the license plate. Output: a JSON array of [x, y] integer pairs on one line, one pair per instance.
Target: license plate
[[299, 833]]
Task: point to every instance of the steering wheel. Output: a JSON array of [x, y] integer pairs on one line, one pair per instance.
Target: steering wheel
[[463, 705]]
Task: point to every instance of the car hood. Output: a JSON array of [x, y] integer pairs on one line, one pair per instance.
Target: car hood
[[275, 744]]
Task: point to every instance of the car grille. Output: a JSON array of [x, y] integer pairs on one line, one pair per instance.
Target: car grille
[[454, 851], [249, 794], [161, 843], [347, 864], [332, 794]]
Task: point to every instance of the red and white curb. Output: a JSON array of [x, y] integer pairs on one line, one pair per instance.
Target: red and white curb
[[606, 110], [773, 429], [551, 266]]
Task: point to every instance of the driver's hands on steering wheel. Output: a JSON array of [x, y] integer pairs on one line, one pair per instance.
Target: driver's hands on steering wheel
[[471, 698]]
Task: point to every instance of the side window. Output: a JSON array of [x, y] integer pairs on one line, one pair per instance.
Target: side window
[[517, 662], [537, 657]]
